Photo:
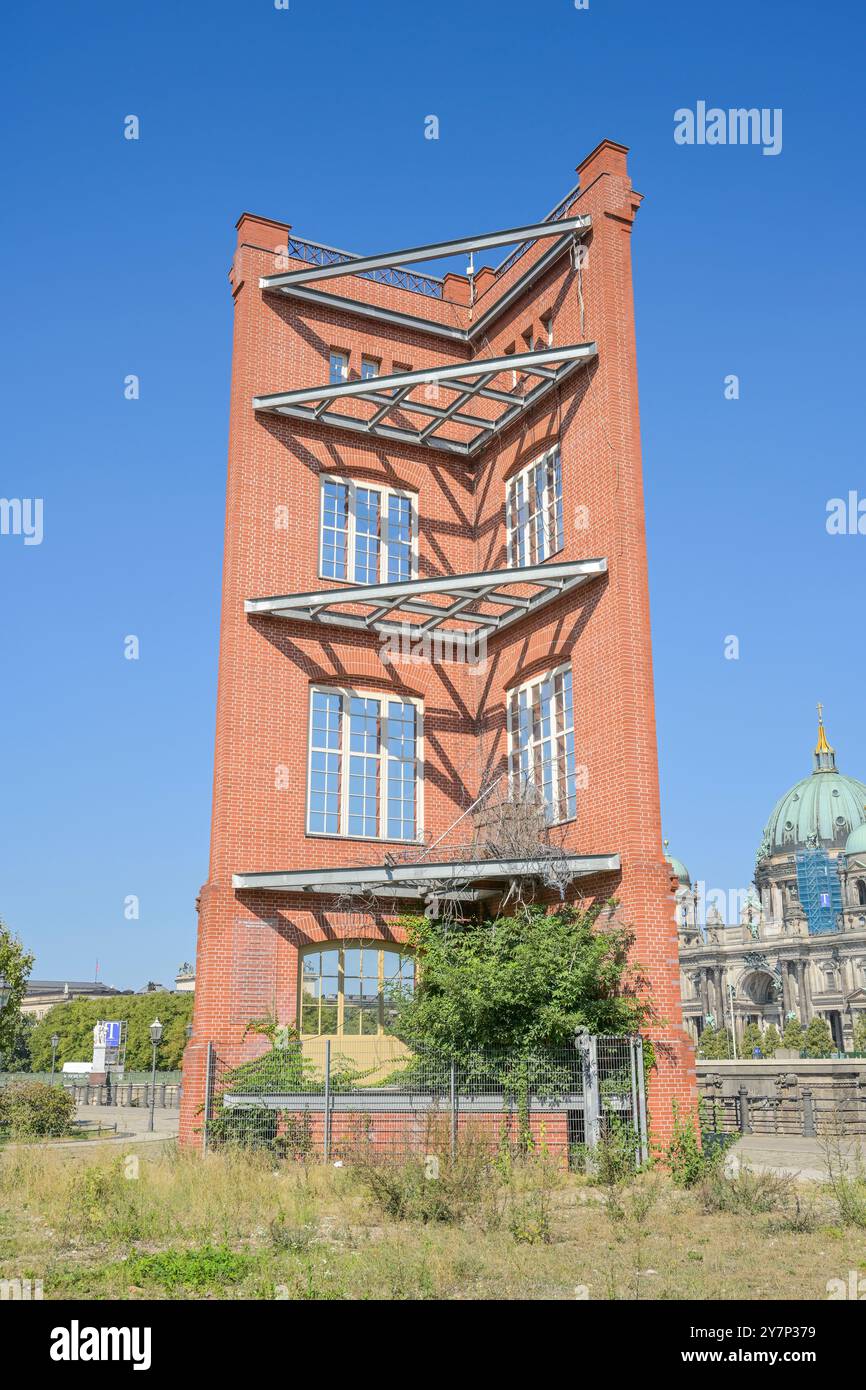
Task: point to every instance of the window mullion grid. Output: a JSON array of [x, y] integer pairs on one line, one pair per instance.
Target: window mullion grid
[[536, 737], [351, 501], [384, 534], [549, 505], [558, 769], [382, 767], [345, 755]]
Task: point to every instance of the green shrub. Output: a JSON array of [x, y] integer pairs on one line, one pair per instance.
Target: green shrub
[[771, 1041], [432, 1188], [748, 1193], [715, 1044], [210, 1267], [793, 1034], [752, 1038], [688, 1163], [614, 1158], [261, 1128], [529, 1219], [36, 1110], [818, 1041]]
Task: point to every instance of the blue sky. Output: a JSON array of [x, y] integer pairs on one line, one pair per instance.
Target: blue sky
[[115, 258]]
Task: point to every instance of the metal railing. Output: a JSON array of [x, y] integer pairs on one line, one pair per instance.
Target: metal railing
[[555, 215], [792, 1109], [315, 253], [329, 1099]]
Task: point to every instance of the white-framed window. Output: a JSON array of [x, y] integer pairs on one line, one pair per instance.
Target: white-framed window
[[351, 989], [365, 777], [533, 511], [369, 368], [541, 742], [368, 535], [338, 367]]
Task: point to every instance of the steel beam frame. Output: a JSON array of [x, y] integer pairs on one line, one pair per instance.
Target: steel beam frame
[[550, 365], [414, 880], [359, 265], [552, 580]]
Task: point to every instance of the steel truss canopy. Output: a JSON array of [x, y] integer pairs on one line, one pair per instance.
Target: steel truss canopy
[[464, 879], [470, 597], [466, 381], [359, 265]]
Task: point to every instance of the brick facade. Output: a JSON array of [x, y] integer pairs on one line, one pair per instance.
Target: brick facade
[[249, 942]]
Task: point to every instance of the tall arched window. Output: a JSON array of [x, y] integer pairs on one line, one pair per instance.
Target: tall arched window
[[350, 990], [861, 892]]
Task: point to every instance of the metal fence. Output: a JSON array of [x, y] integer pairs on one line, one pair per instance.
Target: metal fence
[[341, 1097], [822, 1108]]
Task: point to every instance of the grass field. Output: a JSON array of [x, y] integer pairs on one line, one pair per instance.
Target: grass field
[[148, 1224]]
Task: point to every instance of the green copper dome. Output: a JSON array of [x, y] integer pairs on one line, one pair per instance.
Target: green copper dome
[[856, 842], [822, 809], [678, 866]]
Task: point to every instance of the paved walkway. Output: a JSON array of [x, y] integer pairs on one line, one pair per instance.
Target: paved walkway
[[803, 1158], [132, 1119]]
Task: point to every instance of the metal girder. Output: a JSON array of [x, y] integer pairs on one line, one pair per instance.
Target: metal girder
[[553, 579], [311, 402], [359, 265], [412, 878], [429, 376], [326, 300]]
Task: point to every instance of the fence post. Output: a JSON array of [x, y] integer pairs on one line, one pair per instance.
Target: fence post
[[641, 1100], [586, 1046], [326, 1132], [809, 1114], [453, 1110], [208, 1095], [745, 1127]]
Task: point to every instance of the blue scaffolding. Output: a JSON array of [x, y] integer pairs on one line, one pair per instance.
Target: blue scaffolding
[[820, 893]]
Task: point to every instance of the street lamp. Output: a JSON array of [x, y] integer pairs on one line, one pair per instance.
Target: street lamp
[[54, 1041], [155, 1040], [5, 992]]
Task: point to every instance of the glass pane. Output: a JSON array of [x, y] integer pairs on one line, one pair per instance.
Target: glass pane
[[351, 1018], [399, 539], [335, 529], [390, 965], [352, 961], [369, 1020], [366, 536]]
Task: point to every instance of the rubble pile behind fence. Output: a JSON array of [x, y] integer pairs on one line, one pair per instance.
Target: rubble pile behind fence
[[353, 1095]]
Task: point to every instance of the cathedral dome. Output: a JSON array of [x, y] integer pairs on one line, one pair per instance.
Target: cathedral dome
[[856, 842], [678, 867], [823, 809]]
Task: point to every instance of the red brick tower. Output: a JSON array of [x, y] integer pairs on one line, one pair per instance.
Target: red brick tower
[[381, 660]]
